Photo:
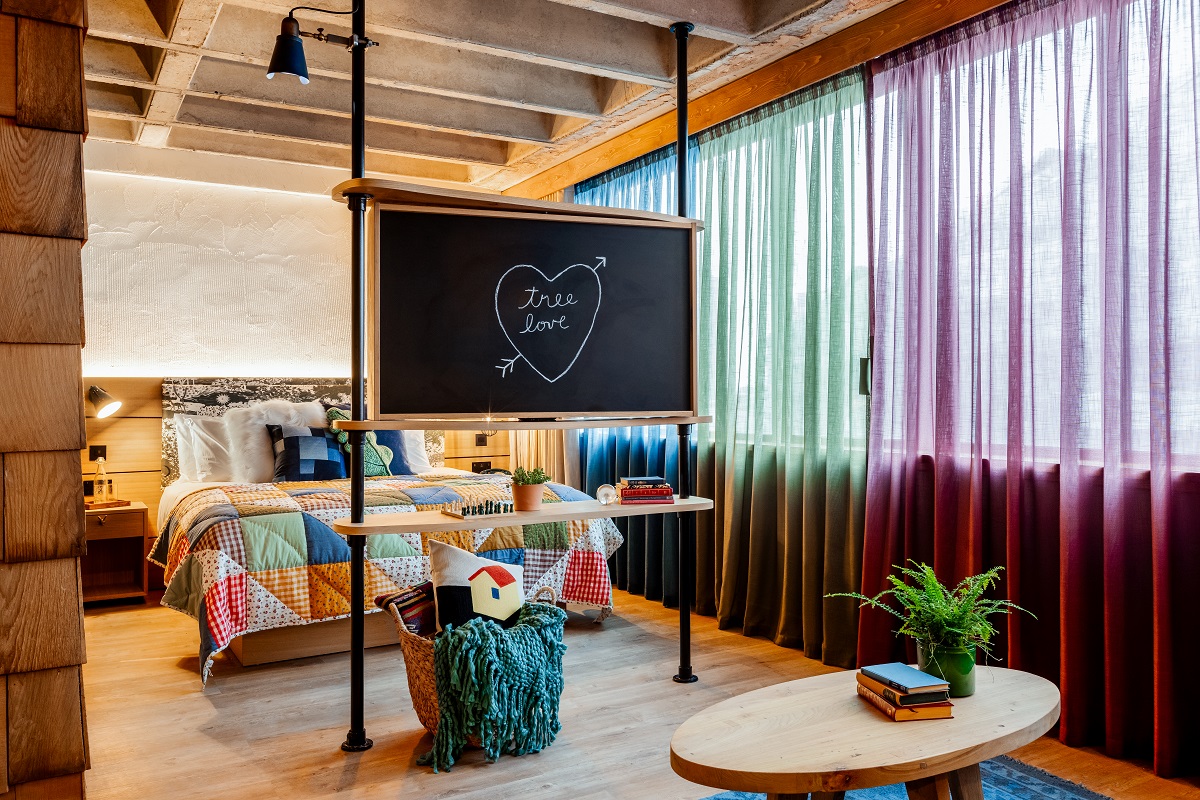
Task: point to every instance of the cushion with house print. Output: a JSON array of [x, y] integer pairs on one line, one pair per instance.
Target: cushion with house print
[[466, 586]]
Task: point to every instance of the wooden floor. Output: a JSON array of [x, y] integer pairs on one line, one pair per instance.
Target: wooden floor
[[273, 731]]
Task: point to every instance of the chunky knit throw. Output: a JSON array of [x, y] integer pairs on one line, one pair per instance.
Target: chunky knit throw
[[501, 686]]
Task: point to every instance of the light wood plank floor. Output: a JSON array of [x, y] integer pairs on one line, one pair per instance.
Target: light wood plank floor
[[272, 732]]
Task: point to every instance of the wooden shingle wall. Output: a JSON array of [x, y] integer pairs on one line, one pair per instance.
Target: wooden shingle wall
[[43, 740]]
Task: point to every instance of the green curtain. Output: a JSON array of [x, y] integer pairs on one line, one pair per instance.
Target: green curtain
[[783, 317]]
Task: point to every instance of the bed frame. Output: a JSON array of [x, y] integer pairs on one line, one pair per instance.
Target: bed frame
[[315, 639]]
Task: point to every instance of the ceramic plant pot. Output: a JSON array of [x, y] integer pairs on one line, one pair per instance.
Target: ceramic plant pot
[[527, 497], [955, 665]]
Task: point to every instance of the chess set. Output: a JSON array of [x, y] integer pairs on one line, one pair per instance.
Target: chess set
[[488, 508]]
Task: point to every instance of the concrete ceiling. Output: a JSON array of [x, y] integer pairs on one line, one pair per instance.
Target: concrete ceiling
[[475, 93]]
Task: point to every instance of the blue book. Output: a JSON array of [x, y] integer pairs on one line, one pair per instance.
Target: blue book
[[904, 678]]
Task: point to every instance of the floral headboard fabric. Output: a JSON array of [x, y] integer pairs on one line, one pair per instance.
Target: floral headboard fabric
[[214, 396]]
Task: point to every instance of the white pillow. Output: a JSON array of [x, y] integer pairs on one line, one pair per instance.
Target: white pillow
[[203, 444], [184, 450], [415, 452], [249, 443]]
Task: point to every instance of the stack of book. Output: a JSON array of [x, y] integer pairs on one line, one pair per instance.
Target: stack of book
[[646, 489], [905, 693]]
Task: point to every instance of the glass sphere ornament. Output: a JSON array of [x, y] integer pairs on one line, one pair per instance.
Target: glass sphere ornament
[[606, 493]]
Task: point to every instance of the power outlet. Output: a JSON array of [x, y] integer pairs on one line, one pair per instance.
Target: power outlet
[[481, 440], [480, 466], [97, 451]]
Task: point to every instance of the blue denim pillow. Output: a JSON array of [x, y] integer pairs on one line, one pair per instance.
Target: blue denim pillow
[[306, 454]]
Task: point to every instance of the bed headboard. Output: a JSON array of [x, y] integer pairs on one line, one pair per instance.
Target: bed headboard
[[214, 396]]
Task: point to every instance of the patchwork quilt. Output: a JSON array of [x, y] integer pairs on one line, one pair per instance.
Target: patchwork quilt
[[241, 558]]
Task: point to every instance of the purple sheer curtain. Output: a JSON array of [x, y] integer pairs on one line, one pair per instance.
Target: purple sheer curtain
[[1036, 377]]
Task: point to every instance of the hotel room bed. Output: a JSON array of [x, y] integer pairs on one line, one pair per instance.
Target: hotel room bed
[[247, 557]]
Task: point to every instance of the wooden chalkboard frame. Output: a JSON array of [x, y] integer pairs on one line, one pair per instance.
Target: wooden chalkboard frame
[[556, 212]]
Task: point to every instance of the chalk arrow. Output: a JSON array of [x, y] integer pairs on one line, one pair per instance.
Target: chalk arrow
[[601, 261]]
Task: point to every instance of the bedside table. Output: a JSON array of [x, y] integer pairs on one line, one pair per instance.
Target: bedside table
[[115, 565]]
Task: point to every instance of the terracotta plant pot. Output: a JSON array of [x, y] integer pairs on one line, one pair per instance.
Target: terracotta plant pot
[[955, 665], [527, 497]]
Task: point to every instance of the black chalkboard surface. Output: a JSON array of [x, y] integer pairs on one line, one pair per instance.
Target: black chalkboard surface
[[531, 316]]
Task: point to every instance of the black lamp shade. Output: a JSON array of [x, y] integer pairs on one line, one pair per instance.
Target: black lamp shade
[[104, 403], [288, 56]]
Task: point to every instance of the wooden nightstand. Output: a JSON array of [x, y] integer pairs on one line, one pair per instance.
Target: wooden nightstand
[[115, 566]]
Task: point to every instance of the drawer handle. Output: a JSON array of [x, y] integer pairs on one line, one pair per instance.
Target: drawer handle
[[102, 518]]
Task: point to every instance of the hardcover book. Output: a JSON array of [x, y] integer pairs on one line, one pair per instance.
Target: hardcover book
[[902, 714], [648, 491], [644, 480], [904, 678], [899, 698]]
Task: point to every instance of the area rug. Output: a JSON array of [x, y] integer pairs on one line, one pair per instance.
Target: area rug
[[1004, 778]]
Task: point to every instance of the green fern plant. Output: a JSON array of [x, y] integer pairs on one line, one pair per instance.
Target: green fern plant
[[525, 477], [936, 616]]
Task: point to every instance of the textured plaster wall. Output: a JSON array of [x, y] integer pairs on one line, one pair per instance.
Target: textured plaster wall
[[193, 279]]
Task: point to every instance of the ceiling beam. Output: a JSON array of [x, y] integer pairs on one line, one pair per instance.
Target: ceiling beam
[[248, 82], [882, 33], [724, 20], [304, 125]]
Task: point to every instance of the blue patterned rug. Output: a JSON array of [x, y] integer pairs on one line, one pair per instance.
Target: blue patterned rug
[[1004, 778]]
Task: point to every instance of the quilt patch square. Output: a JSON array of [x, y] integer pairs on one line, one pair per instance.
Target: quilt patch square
[[225, 608], [507, 538], [463, 540], [324, 545], [274, 541], [288, 586], [389, 545], [537, 564], [547, 536], [587, 579]]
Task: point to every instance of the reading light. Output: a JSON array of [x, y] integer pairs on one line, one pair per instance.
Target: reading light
[[104, 403], [288, 56]]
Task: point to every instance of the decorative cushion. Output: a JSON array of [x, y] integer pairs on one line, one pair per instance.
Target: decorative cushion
[[203, 447], [250, 446], [415, 453], [376, 442], [466, 586], [415, 605], [306, 454]]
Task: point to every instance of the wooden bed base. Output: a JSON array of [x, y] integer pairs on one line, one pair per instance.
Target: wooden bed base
[[316, 639]]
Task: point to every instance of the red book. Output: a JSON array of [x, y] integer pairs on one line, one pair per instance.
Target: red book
[[665, 491], [645, 501]]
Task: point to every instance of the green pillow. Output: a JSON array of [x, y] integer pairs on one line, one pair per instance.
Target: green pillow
[[377, 459]]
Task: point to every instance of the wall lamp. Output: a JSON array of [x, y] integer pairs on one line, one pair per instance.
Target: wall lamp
[[104, 403], [288, 56]]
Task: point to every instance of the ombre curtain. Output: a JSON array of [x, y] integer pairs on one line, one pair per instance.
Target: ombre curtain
[[782, 293], [1036, 383]]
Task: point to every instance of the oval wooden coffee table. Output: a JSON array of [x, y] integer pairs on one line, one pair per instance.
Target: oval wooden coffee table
[[816, 735]]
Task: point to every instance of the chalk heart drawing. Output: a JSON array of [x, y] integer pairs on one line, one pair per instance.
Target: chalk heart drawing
[[548, 320]]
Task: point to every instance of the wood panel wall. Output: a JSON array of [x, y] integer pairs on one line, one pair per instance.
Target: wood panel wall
[[461, 450], [43, 738], [133, 437]]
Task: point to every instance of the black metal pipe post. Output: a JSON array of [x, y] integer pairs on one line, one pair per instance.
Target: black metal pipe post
[[356, 736], [685, 572]]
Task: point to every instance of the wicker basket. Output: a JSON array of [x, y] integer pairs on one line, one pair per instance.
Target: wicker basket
[[418, 661]]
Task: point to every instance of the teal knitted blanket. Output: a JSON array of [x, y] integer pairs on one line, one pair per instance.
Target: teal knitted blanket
[[502, 686]]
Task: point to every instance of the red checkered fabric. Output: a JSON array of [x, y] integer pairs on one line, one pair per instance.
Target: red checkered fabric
[[587, 579], [225, 608]]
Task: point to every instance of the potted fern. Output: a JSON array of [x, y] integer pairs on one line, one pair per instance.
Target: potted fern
[[527, 488], [949, 625]]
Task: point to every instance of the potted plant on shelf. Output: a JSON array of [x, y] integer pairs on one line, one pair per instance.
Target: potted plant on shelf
[[949, 626], [527, 488]]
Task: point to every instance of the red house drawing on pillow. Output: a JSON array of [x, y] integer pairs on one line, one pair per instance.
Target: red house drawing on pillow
[[495, 592]]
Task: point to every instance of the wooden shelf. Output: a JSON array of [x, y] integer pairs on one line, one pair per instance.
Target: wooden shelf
[[112, 591], [513, 424], [435, 521]]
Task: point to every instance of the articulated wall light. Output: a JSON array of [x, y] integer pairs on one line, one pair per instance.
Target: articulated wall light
[[105, 404], [288, 56]]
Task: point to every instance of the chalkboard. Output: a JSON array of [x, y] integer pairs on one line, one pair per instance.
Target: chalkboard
[[530, 316]]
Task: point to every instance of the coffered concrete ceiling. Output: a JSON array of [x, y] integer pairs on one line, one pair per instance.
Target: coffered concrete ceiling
[[476, 93]]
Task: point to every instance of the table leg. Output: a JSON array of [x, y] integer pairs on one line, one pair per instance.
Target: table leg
[[933, 788], [966, 783]]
